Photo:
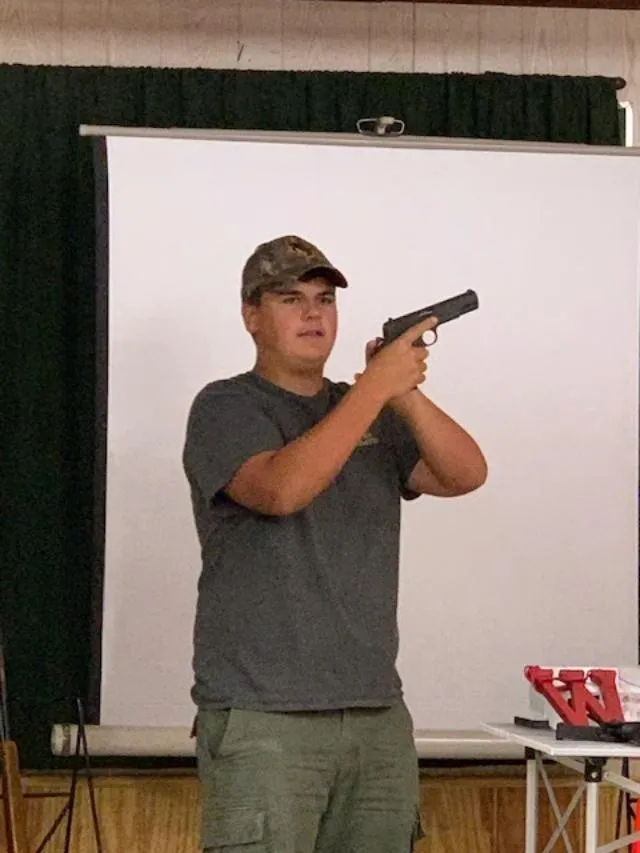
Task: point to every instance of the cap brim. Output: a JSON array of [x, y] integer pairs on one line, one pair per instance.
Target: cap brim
[[330, 273]]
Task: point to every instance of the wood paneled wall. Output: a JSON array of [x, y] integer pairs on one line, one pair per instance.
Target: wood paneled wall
[[305, 34], [463, 812], [390, 36]]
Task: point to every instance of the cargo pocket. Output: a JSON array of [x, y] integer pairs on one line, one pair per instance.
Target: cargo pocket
[[418, 832], [234, 830]]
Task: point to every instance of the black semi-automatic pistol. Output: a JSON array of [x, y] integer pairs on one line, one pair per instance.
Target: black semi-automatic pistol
[[445, 311]]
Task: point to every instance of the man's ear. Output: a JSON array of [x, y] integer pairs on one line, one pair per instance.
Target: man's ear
[[250, 317]]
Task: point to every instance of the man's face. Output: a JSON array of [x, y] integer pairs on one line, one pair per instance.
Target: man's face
[[297, 326]]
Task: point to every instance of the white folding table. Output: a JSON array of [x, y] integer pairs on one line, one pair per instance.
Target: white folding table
[[589, 759]]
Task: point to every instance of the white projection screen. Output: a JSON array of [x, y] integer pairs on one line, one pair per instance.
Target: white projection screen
[[540, 566]]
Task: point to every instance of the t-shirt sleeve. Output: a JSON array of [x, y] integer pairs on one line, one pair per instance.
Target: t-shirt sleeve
[[405, 449], [225, 428]]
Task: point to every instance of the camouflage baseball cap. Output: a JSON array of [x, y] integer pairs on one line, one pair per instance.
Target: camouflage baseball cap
[[282, 262]]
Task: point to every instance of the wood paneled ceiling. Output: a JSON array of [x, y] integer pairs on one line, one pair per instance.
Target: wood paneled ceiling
[[527, 4]]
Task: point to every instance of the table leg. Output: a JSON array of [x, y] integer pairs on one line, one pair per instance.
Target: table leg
[[591, 818], [531, 817], [592, 777]]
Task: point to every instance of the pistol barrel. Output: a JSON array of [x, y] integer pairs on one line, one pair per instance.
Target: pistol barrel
[[445, 311], [451, 309]]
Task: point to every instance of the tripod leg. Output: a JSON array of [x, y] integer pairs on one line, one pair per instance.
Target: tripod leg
[[82, 736]]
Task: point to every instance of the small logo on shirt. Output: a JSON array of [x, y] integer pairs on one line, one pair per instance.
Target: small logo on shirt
[[367, 440]]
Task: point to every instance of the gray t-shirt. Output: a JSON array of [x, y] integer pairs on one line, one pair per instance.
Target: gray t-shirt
[[294, 612]]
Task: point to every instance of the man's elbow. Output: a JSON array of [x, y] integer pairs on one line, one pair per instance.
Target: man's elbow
[[473, 480], [260, 488], [288, 501], [465, 483], [468, 487], [278, 502]]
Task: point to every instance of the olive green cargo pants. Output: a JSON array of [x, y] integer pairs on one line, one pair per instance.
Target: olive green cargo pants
[[308, 782]]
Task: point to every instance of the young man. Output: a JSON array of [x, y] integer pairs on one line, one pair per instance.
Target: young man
[[304, 743]]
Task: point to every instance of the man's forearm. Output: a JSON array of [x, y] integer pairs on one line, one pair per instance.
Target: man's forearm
[[446, 449], [301, 470]]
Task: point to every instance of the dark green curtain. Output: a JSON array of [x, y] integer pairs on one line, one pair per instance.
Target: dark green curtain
[[47, 355]]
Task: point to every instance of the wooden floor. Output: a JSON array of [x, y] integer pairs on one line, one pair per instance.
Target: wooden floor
[[463, 812]]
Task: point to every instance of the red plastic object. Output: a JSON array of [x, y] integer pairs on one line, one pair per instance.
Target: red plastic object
[[635, 846], [571, 699]]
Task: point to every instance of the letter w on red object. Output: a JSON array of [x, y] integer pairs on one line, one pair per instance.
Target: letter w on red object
[[570, 697]]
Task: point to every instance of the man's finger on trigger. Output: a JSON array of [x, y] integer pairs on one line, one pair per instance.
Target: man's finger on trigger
[[428, 324]]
